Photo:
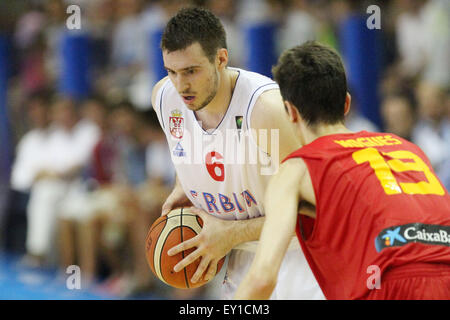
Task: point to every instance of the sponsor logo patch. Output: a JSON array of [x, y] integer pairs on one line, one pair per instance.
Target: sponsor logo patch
[[396, 236]]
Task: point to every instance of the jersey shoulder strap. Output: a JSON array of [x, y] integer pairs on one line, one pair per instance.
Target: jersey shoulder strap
[[159, 105]]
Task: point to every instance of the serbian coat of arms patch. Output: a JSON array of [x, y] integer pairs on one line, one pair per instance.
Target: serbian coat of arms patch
[[176, 124]]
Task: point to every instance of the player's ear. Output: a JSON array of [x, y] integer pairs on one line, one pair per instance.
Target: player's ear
[[292, 111], [222, 58], [348, 101]]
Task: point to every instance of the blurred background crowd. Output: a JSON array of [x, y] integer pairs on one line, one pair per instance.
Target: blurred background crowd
[[84, 166]]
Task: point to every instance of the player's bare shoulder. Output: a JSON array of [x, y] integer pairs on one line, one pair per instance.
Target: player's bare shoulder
[[286, 182], [292, 172], [156, 88], [295, 175], [269, 113], [268, 109]]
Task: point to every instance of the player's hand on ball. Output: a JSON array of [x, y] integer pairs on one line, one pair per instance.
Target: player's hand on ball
[[212, 244], [176, 199]]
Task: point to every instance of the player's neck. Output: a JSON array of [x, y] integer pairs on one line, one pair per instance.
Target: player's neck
[[213, 113], [312, 133]]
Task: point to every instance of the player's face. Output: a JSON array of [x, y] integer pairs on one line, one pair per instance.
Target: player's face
[[193, 75]]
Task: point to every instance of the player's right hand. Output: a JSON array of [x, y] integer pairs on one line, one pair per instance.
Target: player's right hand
[[176, 199]]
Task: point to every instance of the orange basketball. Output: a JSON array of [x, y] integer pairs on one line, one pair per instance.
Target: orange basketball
[[166, 232]]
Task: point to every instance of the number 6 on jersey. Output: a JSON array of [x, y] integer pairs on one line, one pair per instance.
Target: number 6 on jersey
[[215, 169]]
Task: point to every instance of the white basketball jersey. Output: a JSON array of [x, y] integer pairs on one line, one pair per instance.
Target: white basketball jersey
[[221, 171]]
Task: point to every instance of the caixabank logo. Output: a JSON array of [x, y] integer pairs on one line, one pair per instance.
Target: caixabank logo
[[401, 235]]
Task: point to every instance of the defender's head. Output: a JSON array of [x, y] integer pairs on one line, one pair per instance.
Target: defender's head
[[194, 52], [312, 79]]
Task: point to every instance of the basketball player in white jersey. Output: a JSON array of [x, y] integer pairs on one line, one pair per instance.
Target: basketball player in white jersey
[[227, 133]]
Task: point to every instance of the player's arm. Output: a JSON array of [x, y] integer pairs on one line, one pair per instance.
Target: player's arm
[[216, 240], [269, 114], [177, 198], [220, 236], [281, 204]]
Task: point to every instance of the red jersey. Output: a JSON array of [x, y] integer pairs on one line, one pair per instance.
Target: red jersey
[[379, 206]]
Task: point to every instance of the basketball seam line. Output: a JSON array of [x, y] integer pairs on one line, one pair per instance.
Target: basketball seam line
[[191, 215], [161, 252], [162, 246], [182, 252]]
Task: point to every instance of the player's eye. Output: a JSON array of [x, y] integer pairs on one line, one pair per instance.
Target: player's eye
[[190, 71]]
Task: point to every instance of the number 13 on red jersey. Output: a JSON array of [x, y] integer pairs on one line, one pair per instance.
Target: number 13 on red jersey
[[383, 170]]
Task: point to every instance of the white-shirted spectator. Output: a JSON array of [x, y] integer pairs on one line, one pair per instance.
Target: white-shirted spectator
[[129, 42], [411, 38], [432, 132], [226, 11], [29, 150], [66, 152], [423, 39], [298, 27]]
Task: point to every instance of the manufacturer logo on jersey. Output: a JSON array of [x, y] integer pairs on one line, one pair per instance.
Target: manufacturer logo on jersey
[[179, 151], [176, 124], [238, 122], [414, 232], [239, 125]]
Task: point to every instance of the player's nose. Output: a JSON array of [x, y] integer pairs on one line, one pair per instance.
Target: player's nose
[[182, 85]]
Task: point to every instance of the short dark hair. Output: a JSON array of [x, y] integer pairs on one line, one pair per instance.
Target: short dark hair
[[192, 25], [312, 77]]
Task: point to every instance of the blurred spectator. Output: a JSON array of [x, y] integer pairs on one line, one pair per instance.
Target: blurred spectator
[[445, 172], [150, 195], [437, 35], [74, 208], [298, 26], [66, 150], [128, 46], [31, 145], [411, 36], [354, 120], [25, 166], [152, 20], [118, 167], [100, 15], [251, 11], [104, 229], [133, 175], [129, 51], [226, 11], [423, 35], [399, 115], [432, 132], [29, 38], [54, 29]]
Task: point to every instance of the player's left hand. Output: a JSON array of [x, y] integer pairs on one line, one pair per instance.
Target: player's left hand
[[212, 244]]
